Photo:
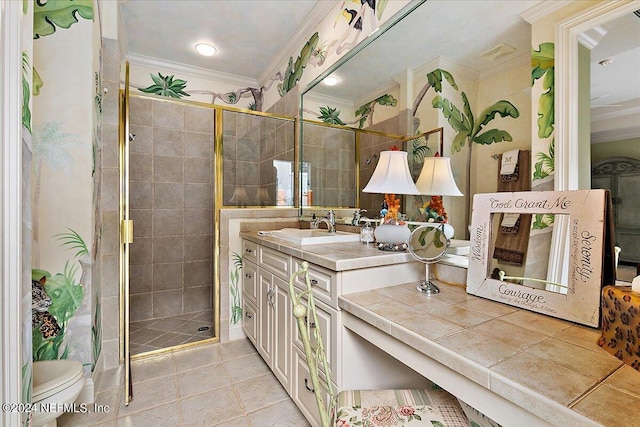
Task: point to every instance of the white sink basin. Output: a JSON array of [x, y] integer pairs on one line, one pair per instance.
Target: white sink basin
[[314, 236]]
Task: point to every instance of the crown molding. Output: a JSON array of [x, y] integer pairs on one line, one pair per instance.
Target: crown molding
[[197, 72], [302, 34], [523, 59], [615, 134], [329, 100], [542, 9], [451, 66]]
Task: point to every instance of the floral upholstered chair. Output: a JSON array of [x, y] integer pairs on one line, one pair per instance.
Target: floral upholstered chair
[[366, 408]]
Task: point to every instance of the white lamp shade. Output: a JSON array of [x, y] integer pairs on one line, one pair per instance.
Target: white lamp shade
[[239, 195], [436, 178], [391, 175]]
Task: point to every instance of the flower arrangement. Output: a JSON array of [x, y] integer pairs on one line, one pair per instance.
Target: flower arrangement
[[433, 210], [391, 210]]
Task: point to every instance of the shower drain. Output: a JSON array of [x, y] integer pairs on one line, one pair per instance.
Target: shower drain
[[203, 328]]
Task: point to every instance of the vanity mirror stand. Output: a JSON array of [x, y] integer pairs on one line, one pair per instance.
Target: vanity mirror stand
[[428, 244]]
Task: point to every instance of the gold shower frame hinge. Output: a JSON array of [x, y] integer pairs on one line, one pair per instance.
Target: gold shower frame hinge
[[126, 231]]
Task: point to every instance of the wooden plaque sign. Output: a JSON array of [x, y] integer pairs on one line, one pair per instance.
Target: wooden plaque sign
[[579, 245]]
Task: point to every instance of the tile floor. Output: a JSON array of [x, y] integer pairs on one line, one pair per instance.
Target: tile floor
[[209, 385], [149, 335]]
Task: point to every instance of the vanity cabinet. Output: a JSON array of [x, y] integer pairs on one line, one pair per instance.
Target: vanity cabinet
[[266, 290], [267, 308]]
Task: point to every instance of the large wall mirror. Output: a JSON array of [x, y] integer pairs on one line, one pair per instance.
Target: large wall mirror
[[387, 89]]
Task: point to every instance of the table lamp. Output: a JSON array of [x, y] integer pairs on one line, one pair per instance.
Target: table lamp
[[436, 179], [390, 177]]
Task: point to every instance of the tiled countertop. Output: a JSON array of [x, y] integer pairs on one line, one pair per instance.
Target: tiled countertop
[[552, 368]]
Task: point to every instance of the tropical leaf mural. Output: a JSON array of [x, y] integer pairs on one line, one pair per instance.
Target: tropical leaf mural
[[546, 162], [434, 80], [542, 221], [294, 71], [470, 128], [50, 147], [234, 276], [366, 111], [50, 14], [543, 63], [66, 298], [96, 335], [330, 115], [26, 92], [166, 86]]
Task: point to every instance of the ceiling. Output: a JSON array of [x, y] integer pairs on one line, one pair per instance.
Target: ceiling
[[254, 37], [248, 34]]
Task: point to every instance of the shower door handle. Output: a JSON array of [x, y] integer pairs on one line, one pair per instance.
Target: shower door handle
[[126, 231]]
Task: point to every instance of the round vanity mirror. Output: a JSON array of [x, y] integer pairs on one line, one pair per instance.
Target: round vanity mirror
[[428, 244]]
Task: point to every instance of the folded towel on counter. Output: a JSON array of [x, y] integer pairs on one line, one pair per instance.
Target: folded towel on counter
[[264, 233]]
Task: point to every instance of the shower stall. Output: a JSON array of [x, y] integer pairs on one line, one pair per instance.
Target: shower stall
[[181, 162], [171, 202]]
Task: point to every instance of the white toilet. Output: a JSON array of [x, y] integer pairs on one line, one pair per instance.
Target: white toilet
[[55, 383]]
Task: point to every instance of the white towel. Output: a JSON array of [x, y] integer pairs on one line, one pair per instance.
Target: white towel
[[264, 233], [509, 162], [509, 220]]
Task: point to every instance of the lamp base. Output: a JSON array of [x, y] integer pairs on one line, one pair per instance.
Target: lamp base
[[392, 247], [391, 237], [427, 287]]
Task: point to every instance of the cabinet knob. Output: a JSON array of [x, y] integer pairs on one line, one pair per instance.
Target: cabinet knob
[[248, 250], [314, 282], [306, 385], [311, 324], [249, 316], [248, 275]]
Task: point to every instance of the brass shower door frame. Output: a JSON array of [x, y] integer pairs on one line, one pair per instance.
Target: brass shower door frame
[[127, 227]]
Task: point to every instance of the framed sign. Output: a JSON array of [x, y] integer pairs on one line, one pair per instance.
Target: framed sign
[[576, 226]]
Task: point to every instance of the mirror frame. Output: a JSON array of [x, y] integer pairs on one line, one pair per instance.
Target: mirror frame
[[586, 247]]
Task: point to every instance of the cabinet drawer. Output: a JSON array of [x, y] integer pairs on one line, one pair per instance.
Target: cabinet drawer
[[250, 251], [327, 323], [323, 282], [250, 320], [250, 282], [274, 261], [302, 389]]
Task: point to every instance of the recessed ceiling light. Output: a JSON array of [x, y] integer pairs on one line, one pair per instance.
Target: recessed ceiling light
[[205, 49], [331, 81], [606, 61]]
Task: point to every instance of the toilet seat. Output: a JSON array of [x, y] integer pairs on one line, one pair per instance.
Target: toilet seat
[[52, 376]]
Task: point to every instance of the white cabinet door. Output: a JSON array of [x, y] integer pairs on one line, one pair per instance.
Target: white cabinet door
[[250, 321], [266, 313], [282, 333]]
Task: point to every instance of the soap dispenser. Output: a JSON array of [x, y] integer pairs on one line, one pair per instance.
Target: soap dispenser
[[366, 232]]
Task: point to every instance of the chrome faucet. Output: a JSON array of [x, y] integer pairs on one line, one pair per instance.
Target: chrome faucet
[[330, 220]]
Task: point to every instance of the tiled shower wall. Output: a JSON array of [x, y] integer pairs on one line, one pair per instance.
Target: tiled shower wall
[[250, 144], [171, 200], [330, 153]]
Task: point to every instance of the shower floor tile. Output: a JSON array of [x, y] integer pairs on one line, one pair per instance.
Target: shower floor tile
[[154, 334]]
